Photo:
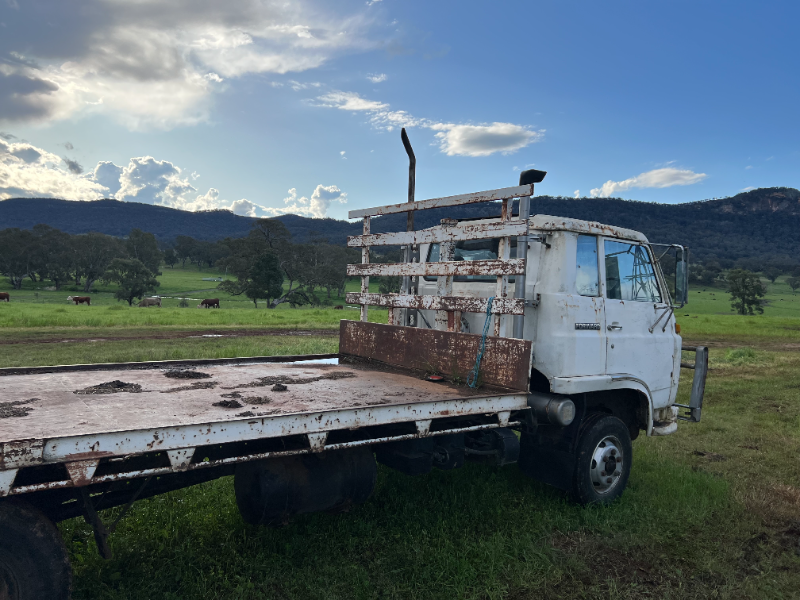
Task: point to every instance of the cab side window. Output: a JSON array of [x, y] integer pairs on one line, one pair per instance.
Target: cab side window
[[587, 276], [629, 273]]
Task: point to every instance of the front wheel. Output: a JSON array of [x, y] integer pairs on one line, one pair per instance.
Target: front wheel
[[603, 460]]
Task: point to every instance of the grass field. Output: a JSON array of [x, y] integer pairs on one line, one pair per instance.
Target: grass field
[[711, 512]]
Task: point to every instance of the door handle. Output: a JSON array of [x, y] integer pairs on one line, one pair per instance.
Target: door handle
[[613, 327]]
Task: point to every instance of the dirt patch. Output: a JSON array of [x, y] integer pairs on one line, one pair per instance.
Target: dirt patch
[[274, 380], [230, 403], [197, 385], [111, 387], [16, 408], [250, 413], [186, 374], [710, 456], [248, 399], [279, 387]]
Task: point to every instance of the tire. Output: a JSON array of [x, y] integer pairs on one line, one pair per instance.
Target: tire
[[33, 561], [603, 460]]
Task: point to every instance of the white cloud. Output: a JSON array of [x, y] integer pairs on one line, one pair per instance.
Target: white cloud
[[748, 167], [484, 140], [748, 188], [454, 139], [657, 178], [576, 194], [30, 172], [350, 101], [342, 154], [246, 208], [156, 64], [316, 207], [377, 77], [107, 174]]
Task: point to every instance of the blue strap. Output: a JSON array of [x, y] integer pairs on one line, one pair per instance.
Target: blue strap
[[472, 378]]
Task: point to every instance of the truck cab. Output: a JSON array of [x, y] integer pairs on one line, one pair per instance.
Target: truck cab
[[599, 313]]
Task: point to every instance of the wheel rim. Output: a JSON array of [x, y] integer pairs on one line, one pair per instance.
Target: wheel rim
[[606, 467]]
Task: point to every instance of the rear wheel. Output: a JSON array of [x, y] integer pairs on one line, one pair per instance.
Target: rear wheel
[[603, 460], [33, 560]]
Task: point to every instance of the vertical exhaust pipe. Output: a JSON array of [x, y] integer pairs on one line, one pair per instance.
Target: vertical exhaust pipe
[[530, 176], [408, 283]]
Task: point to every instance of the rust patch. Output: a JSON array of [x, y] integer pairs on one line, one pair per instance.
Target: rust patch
[[111, 387], [16, 408], [505, 362]]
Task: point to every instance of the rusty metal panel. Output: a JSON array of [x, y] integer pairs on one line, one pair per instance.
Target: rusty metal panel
[[462, 231], [7, 477], [17, 453], [551, 223], [505, 363], [504, 306], [487, 196], [512, 266]]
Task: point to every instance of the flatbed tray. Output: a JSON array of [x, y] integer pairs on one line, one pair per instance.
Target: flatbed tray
[[82, 403]]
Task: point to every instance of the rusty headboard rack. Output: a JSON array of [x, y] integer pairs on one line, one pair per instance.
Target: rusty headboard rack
[[447, 306]]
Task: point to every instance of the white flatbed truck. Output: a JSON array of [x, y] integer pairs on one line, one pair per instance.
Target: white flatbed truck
[[573, 352]]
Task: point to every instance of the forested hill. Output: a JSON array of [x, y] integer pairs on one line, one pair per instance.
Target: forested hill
[[763, 223]]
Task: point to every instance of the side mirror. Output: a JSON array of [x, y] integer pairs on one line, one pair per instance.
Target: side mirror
[[682, 276], [673, 261]]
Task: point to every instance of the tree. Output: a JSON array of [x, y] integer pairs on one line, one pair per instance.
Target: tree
[[746, 291], [184, 248], [17, 255], [94, 253], [170, 258], [133, 278], [772, 273], [268, 236], [794, 283], [55, 256], [144, 248], [264, 280]]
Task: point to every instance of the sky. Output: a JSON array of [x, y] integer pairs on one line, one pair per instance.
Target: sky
[[272, 107]]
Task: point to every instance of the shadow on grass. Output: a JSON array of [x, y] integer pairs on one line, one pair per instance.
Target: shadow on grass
[[479, 532]]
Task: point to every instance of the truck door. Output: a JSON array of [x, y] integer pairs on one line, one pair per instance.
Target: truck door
[[634, 303]]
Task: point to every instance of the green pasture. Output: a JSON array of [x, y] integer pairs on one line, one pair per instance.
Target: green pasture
[[190, 283], [36, 307]]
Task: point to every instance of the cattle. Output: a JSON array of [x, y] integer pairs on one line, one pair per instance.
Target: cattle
[[338, 307], [5, 297], [209, 303], [80, 300], [150, 302]]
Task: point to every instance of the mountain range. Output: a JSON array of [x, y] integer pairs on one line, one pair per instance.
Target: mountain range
[[759, 224]]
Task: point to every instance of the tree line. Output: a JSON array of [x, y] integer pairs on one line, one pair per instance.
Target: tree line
[[45, 253], [263, 265]]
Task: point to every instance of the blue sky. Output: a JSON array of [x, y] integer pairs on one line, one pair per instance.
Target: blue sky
[[268, 107]]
